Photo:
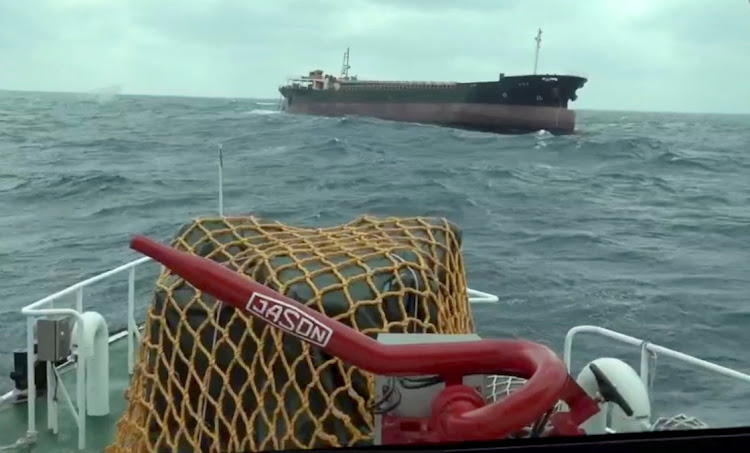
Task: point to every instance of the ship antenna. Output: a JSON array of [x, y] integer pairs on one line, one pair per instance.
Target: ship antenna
[[221, 180], [345, 66], [538, 40]]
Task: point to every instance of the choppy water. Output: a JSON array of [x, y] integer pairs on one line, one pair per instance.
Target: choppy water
[[641, 222]]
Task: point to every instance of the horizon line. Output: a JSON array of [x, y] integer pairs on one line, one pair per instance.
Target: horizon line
[[94, 93]]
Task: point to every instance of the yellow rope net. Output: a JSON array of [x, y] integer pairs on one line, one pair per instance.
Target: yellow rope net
[[211, 378]]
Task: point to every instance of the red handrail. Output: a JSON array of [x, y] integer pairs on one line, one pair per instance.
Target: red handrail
[[548, 380]]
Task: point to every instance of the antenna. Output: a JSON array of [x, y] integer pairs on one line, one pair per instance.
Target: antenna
[[221, 181], [345, 66], [538, 40]]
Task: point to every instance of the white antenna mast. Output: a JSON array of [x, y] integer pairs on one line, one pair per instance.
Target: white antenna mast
[[221, 182], [538, 40]]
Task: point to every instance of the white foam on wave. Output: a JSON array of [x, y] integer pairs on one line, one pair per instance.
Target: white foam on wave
[[263, 112]]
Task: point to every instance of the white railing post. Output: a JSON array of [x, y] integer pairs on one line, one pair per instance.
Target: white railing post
[[31, 378], [131, 315], [81, 394], [568, 348], [79, 299], [51, 400], [81, 376], [645, 372]]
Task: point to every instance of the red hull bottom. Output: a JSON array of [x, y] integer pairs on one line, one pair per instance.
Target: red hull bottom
[[481, 117]]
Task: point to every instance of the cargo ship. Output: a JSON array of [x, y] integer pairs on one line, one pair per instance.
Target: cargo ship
[[511, 104]]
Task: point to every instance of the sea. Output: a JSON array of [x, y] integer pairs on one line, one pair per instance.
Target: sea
[[639, 222]]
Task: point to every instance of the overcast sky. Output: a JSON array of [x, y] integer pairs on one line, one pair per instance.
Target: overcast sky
[[663, 55]]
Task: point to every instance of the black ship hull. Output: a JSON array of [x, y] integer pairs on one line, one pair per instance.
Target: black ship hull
[[511, 105], [497, 118]]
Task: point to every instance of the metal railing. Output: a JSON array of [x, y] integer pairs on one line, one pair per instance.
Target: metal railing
[[479, 297], [647, 349], [44, 308]]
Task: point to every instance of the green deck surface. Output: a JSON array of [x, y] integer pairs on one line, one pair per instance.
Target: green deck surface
[[100, 431]]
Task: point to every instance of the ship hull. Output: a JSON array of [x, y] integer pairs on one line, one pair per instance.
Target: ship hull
[[514, 104], [496, 118]]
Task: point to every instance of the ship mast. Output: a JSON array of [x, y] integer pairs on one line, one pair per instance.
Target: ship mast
[[538, 40], [345, 66]]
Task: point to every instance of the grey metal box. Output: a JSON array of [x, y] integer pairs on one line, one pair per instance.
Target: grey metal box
[[53, 338], [417, 402]]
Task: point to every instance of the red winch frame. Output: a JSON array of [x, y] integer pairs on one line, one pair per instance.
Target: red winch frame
[[459, 413]]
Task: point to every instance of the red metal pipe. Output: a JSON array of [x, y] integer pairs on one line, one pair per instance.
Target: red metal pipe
[[548, 379]]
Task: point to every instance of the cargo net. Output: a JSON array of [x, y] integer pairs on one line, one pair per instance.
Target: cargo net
[[211, 378]]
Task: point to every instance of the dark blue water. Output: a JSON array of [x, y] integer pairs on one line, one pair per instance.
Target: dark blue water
[[640, 223]]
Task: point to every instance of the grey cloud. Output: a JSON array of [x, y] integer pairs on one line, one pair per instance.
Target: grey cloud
[[638, 54], [701, 22]]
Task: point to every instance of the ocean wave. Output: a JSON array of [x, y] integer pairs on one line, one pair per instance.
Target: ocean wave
[[607, 225], [66, 186], [263, 112]]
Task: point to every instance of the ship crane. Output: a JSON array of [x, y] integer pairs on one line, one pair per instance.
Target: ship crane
[[538, 40], [345, 65]]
